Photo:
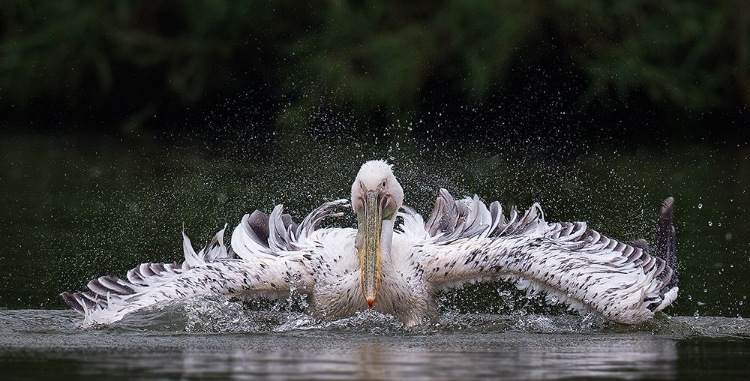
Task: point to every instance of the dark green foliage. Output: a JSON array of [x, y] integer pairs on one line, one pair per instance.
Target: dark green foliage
[[122, 61]]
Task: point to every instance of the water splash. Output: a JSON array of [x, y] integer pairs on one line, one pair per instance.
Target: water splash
[[216, 316]]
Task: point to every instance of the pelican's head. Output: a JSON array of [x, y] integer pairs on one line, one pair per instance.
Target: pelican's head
[[376, 197]]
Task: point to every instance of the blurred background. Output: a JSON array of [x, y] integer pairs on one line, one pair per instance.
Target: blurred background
[[123, 121]]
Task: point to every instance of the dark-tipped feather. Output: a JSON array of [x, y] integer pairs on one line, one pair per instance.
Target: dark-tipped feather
[[666, 239], [71, 301]]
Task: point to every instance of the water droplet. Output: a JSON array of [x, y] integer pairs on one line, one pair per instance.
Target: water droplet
[[710, 223], [700, 206]]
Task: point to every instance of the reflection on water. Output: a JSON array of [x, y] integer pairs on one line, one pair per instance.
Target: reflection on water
[[436, 357], [47, 345], [430, 358]]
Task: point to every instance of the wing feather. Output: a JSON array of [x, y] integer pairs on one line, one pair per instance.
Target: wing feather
[[269, 263], [210, 272], [453, 219], [569, 261]]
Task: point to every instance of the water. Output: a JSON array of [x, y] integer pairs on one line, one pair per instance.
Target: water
[[75, 208], [45, 344]]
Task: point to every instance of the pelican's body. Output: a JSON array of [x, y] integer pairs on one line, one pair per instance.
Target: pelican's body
[[398, 269]]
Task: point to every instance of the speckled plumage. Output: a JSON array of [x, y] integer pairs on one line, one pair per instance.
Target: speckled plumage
[[462, 241]]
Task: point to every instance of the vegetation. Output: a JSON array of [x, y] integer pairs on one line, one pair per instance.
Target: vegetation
[[117, 63]]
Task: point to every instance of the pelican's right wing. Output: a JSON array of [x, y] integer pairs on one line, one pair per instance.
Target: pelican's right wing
[[210, 272], [569, 261], [259, 234], [268, 257]]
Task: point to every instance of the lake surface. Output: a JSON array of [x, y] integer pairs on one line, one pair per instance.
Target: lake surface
[[46, 344]]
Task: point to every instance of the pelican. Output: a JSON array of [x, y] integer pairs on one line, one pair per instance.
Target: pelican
[[394, 262]]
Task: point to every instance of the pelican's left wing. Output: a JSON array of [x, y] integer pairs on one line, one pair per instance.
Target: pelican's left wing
[[569, 261]]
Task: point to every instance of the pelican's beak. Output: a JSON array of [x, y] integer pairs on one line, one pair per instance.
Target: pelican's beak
[[375, 208]]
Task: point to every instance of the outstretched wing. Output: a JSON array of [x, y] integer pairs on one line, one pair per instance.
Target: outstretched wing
[[210, 272], [569, 261], [268, 259]]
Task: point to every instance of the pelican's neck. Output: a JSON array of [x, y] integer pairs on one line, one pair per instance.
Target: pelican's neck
[[386, 240]]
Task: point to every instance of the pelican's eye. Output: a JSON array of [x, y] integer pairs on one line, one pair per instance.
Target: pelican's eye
[[382, 185]]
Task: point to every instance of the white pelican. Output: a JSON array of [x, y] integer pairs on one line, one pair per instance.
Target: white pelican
[[398, 269]]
